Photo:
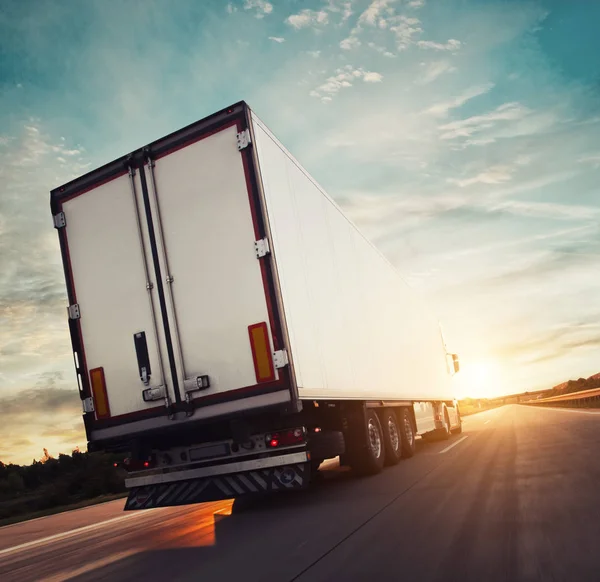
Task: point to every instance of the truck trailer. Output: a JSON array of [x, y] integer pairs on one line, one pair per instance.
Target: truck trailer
[[232, 328]]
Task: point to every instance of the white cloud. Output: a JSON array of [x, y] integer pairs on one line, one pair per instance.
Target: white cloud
[[373, 14], [372, 77], [314, 54], [278, 39], [592, 159], [262, 7], [451, 45], [344, 8], [344, 78], [231, 8], [416, 4], [548, 210], [434, 70], [442, 109], [306, 18], [492, 175], [477, 123], [350, 43], [405, 29]]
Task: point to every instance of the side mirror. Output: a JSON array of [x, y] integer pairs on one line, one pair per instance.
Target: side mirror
[[456, 363]]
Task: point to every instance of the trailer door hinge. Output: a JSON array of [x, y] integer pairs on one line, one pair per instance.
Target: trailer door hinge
[[88, 404], [243, 139], [74, 312], [60, 220], [280, 359], [262, 248]]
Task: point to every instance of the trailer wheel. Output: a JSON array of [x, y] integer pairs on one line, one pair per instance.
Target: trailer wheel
[[369, 456], [392, 436], [444, 432], [458, 429], [407, 432]]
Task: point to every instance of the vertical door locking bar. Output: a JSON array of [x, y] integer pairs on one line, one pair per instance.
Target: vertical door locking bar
[[169, 277], [149, 287]]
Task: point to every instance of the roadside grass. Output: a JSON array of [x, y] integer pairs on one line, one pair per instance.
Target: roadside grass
[[60, 509]]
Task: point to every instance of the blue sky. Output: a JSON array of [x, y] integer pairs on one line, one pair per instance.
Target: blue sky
[[461, 136]]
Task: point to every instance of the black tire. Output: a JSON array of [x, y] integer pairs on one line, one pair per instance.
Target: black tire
[[407, 433], [369, 456], [458, 429], [392, 438]]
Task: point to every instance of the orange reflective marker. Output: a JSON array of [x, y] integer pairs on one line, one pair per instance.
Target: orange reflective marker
[[99, 393], [261, 352]]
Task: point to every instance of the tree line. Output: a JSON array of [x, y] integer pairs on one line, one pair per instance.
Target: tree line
[[52, 482]]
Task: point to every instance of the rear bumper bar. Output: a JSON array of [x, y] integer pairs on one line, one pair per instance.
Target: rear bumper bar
[[220, 485]]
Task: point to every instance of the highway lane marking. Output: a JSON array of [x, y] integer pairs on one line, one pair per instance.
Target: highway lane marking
[[70, 574], [70, 533], [460, 440], [486, 422]]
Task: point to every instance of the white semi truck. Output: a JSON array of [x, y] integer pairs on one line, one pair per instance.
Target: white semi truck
[[231, 328]]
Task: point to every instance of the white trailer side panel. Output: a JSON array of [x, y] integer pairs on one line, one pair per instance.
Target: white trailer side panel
[[357, 331]]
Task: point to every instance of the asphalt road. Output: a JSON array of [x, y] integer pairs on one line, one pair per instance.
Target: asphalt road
[[515, 497]]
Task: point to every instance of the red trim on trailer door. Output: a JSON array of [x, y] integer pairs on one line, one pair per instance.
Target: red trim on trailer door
[[67, 258], [263, 268]]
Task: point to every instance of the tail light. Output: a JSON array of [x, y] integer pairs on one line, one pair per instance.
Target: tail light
[[293, 436], [139, 464]]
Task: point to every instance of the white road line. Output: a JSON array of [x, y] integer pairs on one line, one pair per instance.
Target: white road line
[[68, 534], [454, 444], [486, 422]]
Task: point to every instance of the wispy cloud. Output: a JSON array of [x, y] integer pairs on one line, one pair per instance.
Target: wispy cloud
[[477, 123], [451, 45], [278, 39], [308, 18], [550, 210], [441, 109], [344, 78], [492, 175], [433, 70]]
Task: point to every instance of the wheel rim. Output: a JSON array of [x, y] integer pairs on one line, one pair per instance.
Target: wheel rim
[[393, 432], [374, 439], [408, 430]]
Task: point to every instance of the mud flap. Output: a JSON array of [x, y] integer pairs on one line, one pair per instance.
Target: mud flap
[[273, 479]]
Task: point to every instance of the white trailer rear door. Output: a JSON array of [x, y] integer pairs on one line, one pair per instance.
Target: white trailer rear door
[[221, 318], [177, 305]]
